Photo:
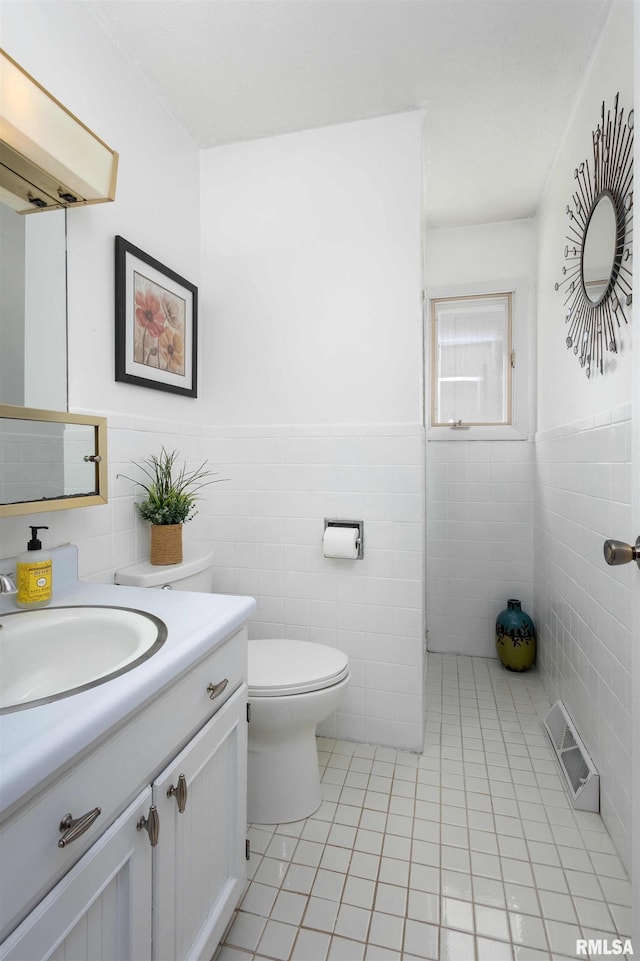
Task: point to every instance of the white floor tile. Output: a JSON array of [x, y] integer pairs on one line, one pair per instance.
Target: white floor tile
[[391, 899], [562, 937], [328, 884], [281, 847], [289, 907], [421, 940], [527, 930], [489, 950], [259, 899], [310, 946], [335, 858], [386, 930], [557, 907], [468, 851], [422, 906], [352, 922], [359, 892], [344, 950], [277, 940], [492, 923], [454, 946], [623, 920], [308, 852], [246, 931], [321, 914]]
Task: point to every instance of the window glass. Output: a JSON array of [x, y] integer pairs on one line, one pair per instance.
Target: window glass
[[471, 360]]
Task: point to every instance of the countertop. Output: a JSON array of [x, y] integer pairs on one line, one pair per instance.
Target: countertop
[[37, 742]]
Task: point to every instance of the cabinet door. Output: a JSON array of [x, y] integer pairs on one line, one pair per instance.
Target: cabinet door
[[199, 869], [100, 910]]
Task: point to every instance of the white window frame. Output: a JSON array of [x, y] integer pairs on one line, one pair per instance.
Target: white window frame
[[522, 346]]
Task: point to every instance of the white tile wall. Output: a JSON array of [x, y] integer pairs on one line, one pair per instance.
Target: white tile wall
[[479, 540], [265, 522], [268, 521], [30, 461], [583, 608]]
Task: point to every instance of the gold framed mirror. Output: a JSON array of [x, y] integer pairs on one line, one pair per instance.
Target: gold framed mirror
[[51, 460]]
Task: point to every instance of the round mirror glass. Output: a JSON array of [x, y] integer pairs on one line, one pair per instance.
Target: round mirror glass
[[599, 249]]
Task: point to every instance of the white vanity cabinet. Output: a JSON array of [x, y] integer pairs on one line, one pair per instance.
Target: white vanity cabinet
[[199, 862], [181, 759], [101, 909]]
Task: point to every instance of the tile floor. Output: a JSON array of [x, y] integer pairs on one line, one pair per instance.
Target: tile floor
[[468, 852]]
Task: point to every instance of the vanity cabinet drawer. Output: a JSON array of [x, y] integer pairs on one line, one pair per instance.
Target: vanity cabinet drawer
[[109, 777]]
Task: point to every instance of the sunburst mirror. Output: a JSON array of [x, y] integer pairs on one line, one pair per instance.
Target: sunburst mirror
[[597, 271]]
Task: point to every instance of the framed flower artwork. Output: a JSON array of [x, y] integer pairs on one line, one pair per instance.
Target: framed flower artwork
[[156, 324]]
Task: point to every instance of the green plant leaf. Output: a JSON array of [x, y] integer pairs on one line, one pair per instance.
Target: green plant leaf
[[171, 492]]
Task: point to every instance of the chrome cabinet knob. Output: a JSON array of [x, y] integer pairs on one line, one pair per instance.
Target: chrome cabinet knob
[[215, 689], [180, 793], [618, 552], [150, 824]]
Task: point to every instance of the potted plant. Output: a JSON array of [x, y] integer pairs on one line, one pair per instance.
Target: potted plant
[[172, 493]]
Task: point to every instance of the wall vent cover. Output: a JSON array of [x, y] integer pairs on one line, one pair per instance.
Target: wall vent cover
[[580, 778]]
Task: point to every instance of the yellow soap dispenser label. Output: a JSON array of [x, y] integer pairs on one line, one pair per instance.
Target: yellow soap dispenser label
[[34, 582]]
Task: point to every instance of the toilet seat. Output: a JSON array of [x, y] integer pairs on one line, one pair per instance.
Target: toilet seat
[[282, 667]]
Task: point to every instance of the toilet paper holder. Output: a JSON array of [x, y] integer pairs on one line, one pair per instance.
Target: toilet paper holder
[[339, 522]]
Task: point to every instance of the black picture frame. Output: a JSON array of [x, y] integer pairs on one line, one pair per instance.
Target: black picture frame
[[156, 323]]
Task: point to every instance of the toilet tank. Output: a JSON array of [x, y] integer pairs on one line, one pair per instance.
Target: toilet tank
[[195, 573]]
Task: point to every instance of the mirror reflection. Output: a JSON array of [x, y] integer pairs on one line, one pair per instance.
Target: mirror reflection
[[50, 460], [33, 309], [599, 249], [43, 460]]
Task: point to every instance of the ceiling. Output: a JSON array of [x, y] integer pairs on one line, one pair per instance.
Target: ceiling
[[496, 79]]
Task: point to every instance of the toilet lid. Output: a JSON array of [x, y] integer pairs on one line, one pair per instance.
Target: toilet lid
[[278, 667]]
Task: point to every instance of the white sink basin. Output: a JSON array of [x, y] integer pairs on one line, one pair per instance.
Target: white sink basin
[[58, 651]]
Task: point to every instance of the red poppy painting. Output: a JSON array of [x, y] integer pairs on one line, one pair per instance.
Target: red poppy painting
[[156, 323], [158, 339]]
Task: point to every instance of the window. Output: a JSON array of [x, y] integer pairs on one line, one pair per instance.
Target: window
[[471, 361], [474, 334]]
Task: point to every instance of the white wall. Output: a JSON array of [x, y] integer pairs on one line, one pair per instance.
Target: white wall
[[479, 541], [583, 487], [311, 270], [312, 275], [564, 392], [309, 313], [157, 209], [157, 198]]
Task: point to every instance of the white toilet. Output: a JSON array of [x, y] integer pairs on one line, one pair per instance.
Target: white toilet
[[293, 685]]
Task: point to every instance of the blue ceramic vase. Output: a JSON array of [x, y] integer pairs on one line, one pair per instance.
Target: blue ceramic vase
[[515, 638]]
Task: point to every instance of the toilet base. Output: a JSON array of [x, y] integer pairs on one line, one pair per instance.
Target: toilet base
[[283, 776], [283, 781]]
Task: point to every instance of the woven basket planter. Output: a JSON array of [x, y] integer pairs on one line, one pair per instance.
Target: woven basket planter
[[166, 544]]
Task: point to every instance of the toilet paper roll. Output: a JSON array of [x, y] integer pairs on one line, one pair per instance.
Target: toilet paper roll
[[340, 542]]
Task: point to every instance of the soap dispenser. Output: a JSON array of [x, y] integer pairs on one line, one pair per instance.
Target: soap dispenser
[[34, 574]]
